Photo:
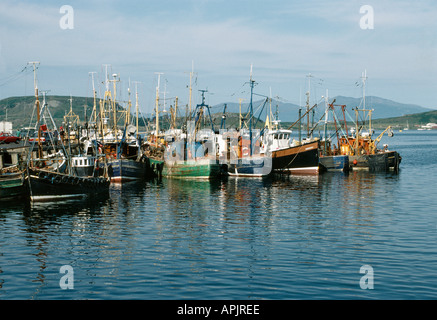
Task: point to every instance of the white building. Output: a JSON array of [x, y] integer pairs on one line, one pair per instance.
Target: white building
[[6, 126]]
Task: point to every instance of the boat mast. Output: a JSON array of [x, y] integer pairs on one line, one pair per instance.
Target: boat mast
[[268, 120], [136, 106], [326, 122], [127, 118], [251, 109], [106, 99], [37, 104], [114, 105], [94, 98], [175, 112], [240, 118], [157, 107], [309, 76], [364, 77], [191, 88], [356, 131]]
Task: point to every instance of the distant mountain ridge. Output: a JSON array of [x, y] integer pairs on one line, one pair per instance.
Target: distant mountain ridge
[[383, 108]]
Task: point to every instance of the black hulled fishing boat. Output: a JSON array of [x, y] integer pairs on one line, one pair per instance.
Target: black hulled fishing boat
[[48, 178]]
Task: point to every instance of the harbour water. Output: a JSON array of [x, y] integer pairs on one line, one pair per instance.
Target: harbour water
[[239, 238]]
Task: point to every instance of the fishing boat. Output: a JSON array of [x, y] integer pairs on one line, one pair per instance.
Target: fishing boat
[[250, 159], [328, 159], [183, 154], [188, 160], [332, 162], [290, 155], [47, 180], [186, 154], [364, 155], [240, 157], [46, 185], [125, 161], [122, 148], [192, 156], [154, 146], [359, 145]]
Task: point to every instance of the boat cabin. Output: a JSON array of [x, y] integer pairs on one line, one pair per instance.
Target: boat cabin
[[83, 165], [279, 139]]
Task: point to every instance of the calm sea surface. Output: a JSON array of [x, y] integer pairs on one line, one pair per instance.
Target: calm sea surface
[[281, 238]]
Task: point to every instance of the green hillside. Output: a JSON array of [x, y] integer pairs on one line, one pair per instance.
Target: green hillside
[[413, 120], [20, 109]]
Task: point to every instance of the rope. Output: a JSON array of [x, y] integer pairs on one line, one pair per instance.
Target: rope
[[294, 158]]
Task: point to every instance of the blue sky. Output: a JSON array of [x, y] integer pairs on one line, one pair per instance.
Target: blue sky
[[284, 40]]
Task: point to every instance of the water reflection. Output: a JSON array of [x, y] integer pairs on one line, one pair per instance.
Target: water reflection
[[52, 226], [174, 237]]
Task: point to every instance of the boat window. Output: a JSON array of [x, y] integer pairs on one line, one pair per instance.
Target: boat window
[[276, 136], [80, 161]]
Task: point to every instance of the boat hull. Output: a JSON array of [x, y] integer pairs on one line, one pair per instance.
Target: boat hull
[[251, 167], [124, 170], [154, 167], [380, 162], [12, 186], [49, 186], [192, 169], [302, 159], [335, 163]]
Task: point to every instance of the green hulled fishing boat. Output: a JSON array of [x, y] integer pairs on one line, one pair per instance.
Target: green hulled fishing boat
[[190, 160], [192, 169], [12, 185]]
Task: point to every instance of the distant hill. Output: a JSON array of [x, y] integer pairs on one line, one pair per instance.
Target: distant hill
[[20, 109], [412, 120], [383, 108]]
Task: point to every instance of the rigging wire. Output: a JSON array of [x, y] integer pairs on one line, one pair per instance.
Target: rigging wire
[[16, 76]]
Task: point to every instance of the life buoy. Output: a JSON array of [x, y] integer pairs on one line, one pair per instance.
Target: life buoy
[[245, 151]]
